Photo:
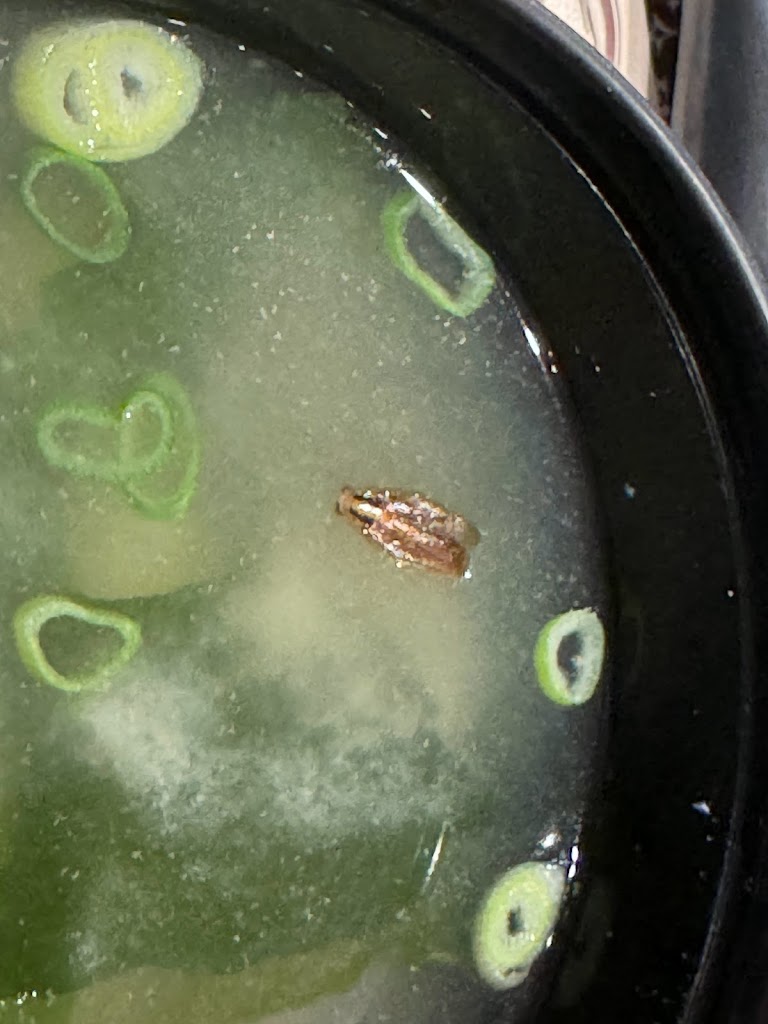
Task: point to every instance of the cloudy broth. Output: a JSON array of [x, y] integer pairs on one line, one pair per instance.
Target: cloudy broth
[[268, 763]]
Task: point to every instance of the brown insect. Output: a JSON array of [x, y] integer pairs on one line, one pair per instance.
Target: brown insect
[[412, 528]]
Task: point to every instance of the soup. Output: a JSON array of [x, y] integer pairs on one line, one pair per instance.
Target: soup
[[300, 593]]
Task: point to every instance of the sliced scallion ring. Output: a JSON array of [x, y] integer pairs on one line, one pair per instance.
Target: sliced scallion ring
[[154, 453], [76, 204], [83, 454], [29, 620], [145, 434], [516, 920], [569, 656], [163, 490], [478, 275], [106, 90]]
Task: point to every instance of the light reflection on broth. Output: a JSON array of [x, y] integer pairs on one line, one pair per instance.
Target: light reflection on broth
[[292, 793]]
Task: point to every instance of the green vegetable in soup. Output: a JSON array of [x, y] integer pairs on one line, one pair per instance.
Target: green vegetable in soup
[[150, 448], [137, 416], [34, 614], [106, 90], [76, 204], [477, 272], [515, 922], [82, 440], [569, 656], [212, 830], [163, 489], [153, 995]]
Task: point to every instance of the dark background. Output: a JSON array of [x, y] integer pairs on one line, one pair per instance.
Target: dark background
[[664, 23]]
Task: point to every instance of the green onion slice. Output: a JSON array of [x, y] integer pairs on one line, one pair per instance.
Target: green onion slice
[[81, 439], [106, 90], [164, 489], [150, 447], [146, 433], [478, 273], [516, 921], [34, 614], [76, 204], [569, 656]]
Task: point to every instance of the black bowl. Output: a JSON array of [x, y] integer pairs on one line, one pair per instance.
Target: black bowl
[[654, 316], [653, 312]]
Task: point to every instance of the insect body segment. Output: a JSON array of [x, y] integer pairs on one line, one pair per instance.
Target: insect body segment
[[412, 528]]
